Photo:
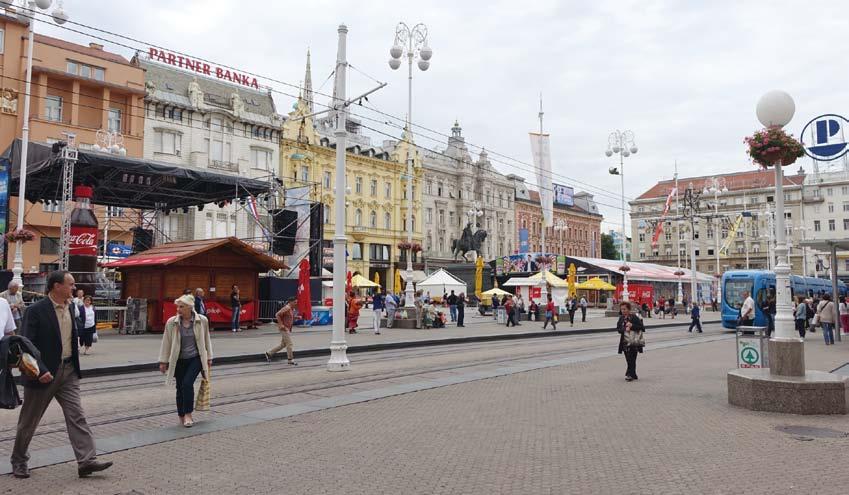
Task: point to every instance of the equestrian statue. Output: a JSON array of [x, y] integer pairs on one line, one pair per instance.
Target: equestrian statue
[[468, 242]]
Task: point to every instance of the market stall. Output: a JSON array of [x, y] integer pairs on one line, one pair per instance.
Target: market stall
[[162, 273], [441, 282]]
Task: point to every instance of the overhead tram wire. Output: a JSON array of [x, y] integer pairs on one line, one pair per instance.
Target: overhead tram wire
[[266, 78], [280, 141]]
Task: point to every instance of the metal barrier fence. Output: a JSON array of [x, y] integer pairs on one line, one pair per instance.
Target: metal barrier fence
[[267, 309]]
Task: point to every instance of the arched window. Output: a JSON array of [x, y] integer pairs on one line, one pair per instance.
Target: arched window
[[358, 218], [387, 221], [372, 219]]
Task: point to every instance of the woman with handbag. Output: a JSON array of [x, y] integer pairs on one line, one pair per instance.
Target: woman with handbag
[[186, 351], [631, 341], [88, 323], [549, 314], [825, 312]]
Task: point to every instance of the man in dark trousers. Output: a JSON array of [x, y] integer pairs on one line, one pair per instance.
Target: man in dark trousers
[[50, 325], [696, 315], [200, 304], [461, 309], [452, 306]]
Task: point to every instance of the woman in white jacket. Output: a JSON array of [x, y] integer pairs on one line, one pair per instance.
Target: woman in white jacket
[[186, 351]]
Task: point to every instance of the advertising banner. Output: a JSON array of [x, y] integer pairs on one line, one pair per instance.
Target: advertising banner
[[540, 148], [561, 264], [524, 246], [298, 200], [115, 250], [519, 263], [216, 312], [564, 195], [499, 266], [5, 166]]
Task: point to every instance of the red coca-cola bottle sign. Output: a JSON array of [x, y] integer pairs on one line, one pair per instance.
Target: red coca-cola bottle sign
[[83, 241]]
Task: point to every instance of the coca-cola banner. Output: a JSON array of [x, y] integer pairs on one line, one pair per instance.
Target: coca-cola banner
[[83, 241], [215, 312]]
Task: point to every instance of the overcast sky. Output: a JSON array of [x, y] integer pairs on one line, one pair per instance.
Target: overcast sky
[[683, 75]]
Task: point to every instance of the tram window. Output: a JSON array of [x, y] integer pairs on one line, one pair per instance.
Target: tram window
[[765, 295], [733, 291]]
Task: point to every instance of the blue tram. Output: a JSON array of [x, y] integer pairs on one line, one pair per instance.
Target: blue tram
[[761, 285]]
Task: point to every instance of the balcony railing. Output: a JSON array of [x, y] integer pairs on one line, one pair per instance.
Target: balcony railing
[[222, 165]]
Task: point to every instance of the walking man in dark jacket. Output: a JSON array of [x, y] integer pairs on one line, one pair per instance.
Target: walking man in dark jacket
[[696, 315], [50, 325]]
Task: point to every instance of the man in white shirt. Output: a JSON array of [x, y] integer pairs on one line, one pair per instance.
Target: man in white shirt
[[7, 321], [747, 311], [16, 301]]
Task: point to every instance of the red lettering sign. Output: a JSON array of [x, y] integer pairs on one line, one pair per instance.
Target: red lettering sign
[[83, 241], [201, 68]]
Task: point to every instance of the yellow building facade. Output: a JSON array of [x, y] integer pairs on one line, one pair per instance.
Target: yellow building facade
[[376, 199]]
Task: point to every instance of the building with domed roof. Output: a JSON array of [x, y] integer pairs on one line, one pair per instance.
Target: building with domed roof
[[454, 185]]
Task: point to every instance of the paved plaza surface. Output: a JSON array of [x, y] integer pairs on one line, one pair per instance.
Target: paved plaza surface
[[125, 350], [572, 425]]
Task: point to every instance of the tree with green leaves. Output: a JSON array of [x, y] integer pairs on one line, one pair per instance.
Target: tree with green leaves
[[608, 248]]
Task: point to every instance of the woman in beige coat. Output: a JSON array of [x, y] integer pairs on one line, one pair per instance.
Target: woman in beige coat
[[186, 351]]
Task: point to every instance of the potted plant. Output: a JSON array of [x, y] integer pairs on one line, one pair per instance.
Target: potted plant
[[773, 146], [416, 247], [404, 245], [625, 268], [22, 235]]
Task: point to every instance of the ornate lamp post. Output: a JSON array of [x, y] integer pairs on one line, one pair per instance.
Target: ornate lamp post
[[410, 42], [27, 15], [716, 186], [775, 110], [622, 143]]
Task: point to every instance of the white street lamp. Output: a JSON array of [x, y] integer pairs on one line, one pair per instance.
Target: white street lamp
[[27, 15], [410, 42], [776, 109], [716, 186], [622, 143]]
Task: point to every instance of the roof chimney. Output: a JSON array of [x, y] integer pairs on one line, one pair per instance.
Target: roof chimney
[[95, 46]]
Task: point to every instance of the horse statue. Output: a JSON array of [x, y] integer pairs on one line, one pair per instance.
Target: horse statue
[[468, 242]]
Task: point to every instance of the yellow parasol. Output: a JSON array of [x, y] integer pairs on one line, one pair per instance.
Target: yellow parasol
[[397, 280], [494, 292], [360, 282], [571, 280], [595, 283], [552, 279], [478, 276]]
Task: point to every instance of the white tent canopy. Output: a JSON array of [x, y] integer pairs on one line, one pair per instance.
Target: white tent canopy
[[441, 282]]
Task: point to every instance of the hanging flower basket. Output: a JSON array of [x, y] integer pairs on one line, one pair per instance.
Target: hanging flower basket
[[773, 146], [22, 235], [404, 245], [625, 268], [416, 247], [679, 273]]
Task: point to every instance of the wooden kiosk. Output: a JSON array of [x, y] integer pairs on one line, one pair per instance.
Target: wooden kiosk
[[162, 273]]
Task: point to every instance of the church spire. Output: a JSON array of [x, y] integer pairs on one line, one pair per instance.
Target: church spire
[[308, 95]]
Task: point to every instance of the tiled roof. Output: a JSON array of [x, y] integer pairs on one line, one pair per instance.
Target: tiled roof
[[258, 104], [172, 252], [85, 50], [754, 179]]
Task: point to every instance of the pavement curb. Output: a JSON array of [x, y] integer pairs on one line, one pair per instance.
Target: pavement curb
[[353, 349]]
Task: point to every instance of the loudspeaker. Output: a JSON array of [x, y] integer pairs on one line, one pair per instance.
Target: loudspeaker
[[142, 239], [285, 226], [316, 236]]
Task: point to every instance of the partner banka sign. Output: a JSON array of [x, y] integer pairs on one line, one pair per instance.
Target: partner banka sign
[[824, 138]]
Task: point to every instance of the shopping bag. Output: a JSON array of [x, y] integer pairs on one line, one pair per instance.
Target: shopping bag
[[204, 395]]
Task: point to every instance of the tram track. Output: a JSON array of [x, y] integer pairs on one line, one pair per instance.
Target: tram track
[[7, 434]]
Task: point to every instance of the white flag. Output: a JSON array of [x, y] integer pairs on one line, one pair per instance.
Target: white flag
[[542, 164]]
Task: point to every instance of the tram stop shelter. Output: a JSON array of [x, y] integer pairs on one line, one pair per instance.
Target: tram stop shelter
[[162, 273], [830, 246]]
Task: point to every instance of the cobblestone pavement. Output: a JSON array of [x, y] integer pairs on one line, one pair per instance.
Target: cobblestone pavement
[[117, 350], [576, 428]]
